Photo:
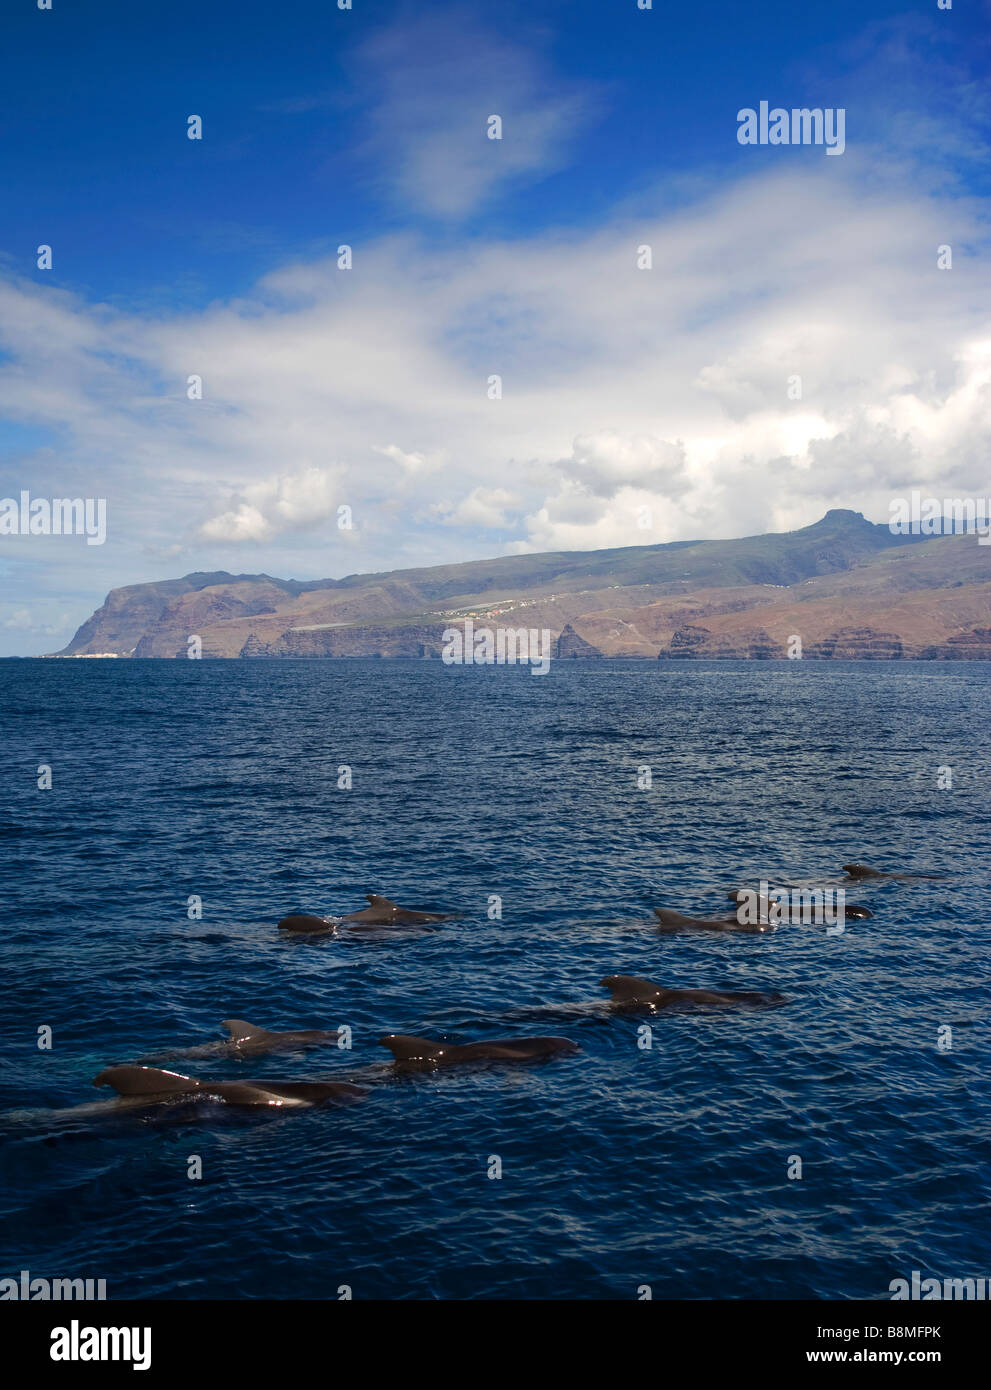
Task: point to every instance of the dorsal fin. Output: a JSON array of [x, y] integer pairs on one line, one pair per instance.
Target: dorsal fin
[[406, 1048], [145, 1081], [668, 917], [241, 1031], [377, 900]]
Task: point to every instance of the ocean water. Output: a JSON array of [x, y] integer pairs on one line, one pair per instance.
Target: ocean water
[[621, 1166]]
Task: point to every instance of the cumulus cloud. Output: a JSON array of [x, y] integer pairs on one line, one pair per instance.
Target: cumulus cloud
[[638, 405], [288, 501], [484, 507], [609, 461]]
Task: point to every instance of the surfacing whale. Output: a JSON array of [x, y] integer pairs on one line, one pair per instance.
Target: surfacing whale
[[151, 1085], [247, 1040], [739, 895], [669, 920], [383, 912], [302, 924], [859, 872], [631, 992], [380, 912], [422, 1052]]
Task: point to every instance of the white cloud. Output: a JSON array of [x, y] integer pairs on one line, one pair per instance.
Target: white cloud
[[485, 507], [26, 620], [608, 461], [436, 79], [625, 392], [410, 463], [285, 502]]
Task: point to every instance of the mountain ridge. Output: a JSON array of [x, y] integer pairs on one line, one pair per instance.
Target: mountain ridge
[[842, 584]]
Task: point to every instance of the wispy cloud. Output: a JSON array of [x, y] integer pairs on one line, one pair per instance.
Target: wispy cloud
[[433, 80]]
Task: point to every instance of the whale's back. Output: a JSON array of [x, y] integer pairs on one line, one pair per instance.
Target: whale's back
[[145, 1081]]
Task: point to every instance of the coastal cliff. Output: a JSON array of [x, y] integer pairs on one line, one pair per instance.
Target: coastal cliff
[[845, 588]]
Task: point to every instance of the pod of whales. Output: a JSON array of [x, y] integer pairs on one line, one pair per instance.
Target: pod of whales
[[631, 992], [423, 1052], [154, 1086], [138, 1085]]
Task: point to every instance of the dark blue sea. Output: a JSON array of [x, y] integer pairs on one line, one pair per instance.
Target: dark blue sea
[[622, 1167]]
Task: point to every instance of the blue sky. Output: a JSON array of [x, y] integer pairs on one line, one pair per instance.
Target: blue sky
[[637, 407]]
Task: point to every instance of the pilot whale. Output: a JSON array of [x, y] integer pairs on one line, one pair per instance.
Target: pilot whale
[[380, 912], [632, 992], [669, 920], [859, 872], [739, 895], [412, 1051], [383, 912], [305, 925], [247, 1040], [155, 1086]]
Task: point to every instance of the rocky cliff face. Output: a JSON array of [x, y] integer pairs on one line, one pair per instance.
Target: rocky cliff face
[[963, 646], [409, 641], [569, 644], [847, 588], [848, 644]]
